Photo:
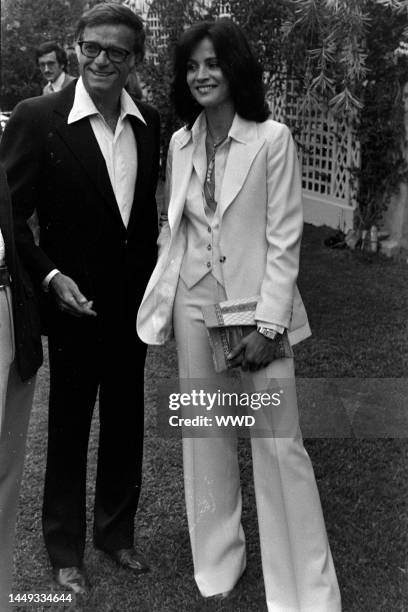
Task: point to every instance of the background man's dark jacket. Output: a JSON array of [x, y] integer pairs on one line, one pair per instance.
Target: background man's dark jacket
[[25, 307]]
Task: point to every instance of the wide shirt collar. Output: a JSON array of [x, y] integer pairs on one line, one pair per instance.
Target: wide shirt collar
[[84, 106], [58, 83]]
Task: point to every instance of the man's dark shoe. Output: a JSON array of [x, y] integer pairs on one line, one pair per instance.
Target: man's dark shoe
[[130, 559], [71, 578]]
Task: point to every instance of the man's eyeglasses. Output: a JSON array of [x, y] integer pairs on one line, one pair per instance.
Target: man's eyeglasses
[[46, 65], [93, 49]]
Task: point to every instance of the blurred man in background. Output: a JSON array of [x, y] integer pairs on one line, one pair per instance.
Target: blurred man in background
[[52, 61]]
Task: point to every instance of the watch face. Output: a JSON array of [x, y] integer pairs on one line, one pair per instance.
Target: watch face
[[268, 333]]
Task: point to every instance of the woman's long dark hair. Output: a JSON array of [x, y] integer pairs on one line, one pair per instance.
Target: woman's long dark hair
[[237, 62]]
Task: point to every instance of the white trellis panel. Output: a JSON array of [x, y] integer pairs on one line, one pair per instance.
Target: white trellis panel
[[328, 150], [157, 38], [137, 6], [224, 9]]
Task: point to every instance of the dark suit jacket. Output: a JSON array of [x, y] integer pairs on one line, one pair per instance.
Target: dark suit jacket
[[59, 170], [25, 307]]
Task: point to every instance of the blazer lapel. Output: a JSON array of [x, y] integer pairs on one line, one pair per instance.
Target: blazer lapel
[[241, 156], [144, 142], [200, 160], [182, 166], [81, 141]]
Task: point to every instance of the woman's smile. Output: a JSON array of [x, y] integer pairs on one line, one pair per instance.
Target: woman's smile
[[203, 89]]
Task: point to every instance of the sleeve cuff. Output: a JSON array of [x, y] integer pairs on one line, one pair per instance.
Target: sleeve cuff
[[45, 283]]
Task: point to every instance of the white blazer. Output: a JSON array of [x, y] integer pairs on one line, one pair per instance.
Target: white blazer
[[261, 222]]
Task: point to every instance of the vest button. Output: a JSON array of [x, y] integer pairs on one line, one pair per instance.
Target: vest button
[[209, 229], [222, 258], [209, 247], [208, 264]]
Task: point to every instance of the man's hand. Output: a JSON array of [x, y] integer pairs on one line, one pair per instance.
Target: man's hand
[[253, 353], [69, 297]]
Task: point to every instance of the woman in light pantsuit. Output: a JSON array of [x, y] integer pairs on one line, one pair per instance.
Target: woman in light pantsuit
[[232, 231]]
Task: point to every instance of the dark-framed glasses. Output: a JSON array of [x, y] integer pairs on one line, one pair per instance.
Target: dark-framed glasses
[[92, 49], [46, 65]]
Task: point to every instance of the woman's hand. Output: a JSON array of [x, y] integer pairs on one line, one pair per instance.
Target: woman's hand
[[253, 353]]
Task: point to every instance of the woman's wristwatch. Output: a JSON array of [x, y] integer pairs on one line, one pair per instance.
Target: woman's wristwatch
[[267, 332]]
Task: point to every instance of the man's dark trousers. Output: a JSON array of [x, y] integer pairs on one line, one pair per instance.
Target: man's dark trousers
[[115, 364]]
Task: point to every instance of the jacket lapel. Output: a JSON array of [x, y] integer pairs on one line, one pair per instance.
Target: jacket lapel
[[244, 147], [182, 166], [200, 160], [81, 141], [144, 142]]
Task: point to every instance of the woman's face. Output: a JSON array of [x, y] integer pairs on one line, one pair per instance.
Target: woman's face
[[205, 78]]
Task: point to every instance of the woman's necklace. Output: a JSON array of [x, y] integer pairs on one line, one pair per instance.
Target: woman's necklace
[[209, 187], [215, 142]]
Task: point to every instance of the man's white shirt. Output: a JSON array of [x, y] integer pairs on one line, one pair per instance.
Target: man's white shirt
[[56, 85]]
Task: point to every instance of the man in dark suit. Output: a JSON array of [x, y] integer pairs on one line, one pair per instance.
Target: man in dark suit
[[20, 358], [87, 159]]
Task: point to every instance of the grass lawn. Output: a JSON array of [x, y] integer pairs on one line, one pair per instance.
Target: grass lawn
[[357, 304]]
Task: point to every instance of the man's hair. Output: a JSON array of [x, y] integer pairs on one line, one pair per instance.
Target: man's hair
[[49, 47], [110, 13], [237, 62]]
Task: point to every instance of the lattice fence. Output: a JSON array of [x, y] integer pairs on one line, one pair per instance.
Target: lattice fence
[[328, 148], [157, 37], [224, 9]]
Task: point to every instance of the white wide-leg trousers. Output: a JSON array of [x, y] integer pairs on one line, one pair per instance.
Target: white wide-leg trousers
[[298, 570]]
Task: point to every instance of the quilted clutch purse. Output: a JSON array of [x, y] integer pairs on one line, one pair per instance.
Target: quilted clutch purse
[[230, 321]]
